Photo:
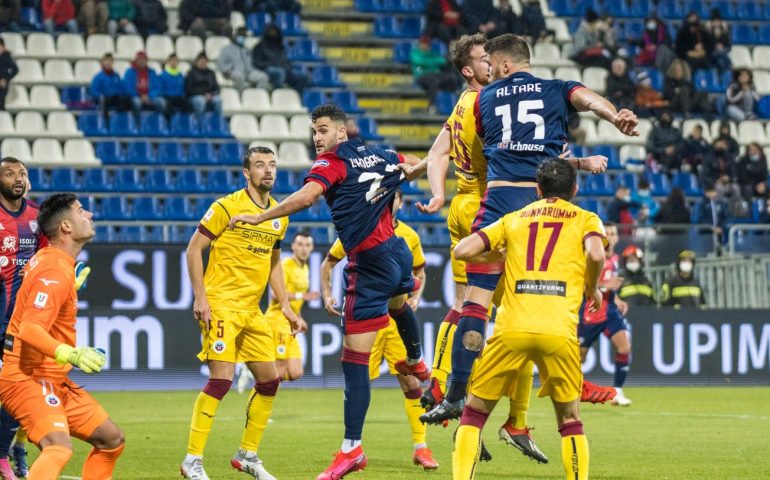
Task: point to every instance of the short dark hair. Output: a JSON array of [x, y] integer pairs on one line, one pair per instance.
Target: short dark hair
[[515, 46], [330, 110], [301, 233], [2, 42], [13, 160], [173, 55], [461, 52], [556, 178], [106, 56], [254, 150], [609, 224], [52, 212]]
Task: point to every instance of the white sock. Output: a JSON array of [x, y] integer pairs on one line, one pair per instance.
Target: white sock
[[418, 446], [349, 445], [191, 458], [619, 391], [246, 453]]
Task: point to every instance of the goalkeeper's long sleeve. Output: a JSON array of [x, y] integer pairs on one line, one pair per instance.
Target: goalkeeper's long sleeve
[[34, 334]]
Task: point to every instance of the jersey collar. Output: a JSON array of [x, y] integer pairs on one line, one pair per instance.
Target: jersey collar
[[246, 189], [17, 213]]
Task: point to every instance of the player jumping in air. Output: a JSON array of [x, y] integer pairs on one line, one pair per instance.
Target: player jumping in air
[[388, 343], [554, 252], [242, 262], [359, 183], [40, 350], [513, 150]]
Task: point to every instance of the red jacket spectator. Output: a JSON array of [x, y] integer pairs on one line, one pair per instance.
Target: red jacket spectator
[[61, 11]]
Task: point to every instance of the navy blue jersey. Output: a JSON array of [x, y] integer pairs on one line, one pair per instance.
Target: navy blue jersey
[[523, 121], [359, 184]]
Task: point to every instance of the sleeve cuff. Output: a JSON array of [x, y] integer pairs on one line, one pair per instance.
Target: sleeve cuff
[[332, 258], [400, 158], [485, 239], [572, 90], [319, 180], [205, 231], [418, 267], [596, 234]]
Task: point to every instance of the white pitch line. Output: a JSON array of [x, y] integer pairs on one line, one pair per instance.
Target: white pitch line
[[69, 477]]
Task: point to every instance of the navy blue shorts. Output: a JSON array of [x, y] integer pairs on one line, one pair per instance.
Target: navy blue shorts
[[497, 202], [372, 277], [589, 333]]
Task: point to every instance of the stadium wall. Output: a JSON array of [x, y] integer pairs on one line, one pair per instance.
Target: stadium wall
[[138, 307]]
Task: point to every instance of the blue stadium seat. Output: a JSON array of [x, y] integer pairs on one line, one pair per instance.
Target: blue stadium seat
[[600, 185], [368, 129], [641, 8], [230, 153], [609, 151], [764, 30], [633, 30], [750, 10], [445, 102], [75, 97], [386, 26], [619, 9], [38, 179], [347, 101], [92, 124], [171, 153], [290, 24], [700, 7], [217, 181], [30, 18], [181, 233], [128, 234], [109, 152], [628, 180], [744, 33], [215, 125], [176, 209], [104, 234], [141, 152], [401, 51], [763, 107], [153, 124], [201, 153], [66, 180], [412, 27], [708, 80], [99, 180], [132, 180], [162, 181], [122, 124], [659, 184], [368, 6], [256, 22], [327, 76], [305, 50], [671, 9], [111, 208], [190, 181], [146, 208], [728, 9], [184, 125], [282, 182], [313, 98]]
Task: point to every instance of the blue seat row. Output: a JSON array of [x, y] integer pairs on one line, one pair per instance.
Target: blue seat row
[[346, 100], [327, 76], [660, 185], [124, 124], [748, 10], [391, 6], [289, 23], [387, 26], [304, 50], [142, 152]]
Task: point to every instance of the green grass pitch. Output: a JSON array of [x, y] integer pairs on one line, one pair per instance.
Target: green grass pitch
[[668, 433]]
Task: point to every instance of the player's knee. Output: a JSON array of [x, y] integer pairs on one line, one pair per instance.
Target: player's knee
[[57, 439], [217, 387], [473, 341]]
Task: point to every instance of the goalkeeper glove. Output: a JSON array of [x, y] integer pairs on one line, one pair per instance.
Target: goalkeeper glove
[[81, 275], [88, 359]]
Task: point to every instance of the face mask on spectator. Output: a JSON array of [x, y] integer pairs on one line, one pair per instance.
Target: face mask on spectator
[[651, 25], [240, 40], [685, 267], [754, 158], [633, 267], [644, 193]]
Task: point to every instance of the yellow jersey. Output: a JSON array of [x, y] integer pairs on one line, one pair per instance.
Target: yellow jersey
[[467, 151], [239, 261], [545, 264], [297, 280], [337, 252]]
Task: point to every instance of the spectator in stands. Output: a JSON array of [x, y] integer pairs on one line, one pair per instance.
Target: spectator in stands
[[10, 15], [674, 209], [680, 92], [647, 100], [270, 6], [719, 32], [683, 289], [693, 43], [695, 149], [532, 24], [742, 96], [143, 85], [270, 56], [655, 42], [445, 20], [172, 87], [719, 164], [59, 14], [8, 70], [121, 17], [151, 17], [93, 16], [620, 89], [430, 69], [507, 20], [711, 209], [107, 88], [235, 63], [664, 144], [202, 87], [481, 17], [637, 288], [201, 16], [752, 172], [724, 134], [594, 42], [648, 206], [619, 208]]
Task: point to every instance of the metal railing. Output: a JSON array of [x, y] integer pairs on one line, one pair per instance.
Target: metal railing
[[748, 236]]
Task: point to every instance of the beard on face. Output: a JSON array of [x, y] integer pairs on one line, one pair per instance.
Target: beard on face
[[9, 193]]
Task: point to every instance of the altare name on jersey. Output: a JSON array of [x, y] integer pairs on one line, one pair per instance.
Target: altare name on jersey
[[514, 89], [366, 162]]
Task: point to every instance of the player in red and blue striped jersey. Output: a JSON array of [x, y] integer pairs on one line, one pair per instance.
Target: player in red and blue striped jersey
[[359, 183]]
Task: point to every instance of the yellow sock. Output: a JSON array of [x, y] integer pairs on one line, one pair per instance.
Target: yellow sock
[[520, 400], [574, 455], [257, 413], [466, 452], [204, 411], [442, 355], [413, 412], [21, 436]]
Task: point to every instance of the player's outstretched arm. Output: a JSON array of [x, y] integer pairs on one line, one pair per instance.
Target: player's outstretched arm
[[326, 286], [299, 200], [414, 300], [584, 99], [594, 261], [278, 285], [438, 163], [198, 243]]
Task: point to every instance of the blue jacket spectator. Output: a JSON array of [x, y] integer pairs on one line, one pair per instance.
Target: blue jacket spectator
[[107, 87], [649, 207], [143, 85], [712, 210], [172, 87]]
